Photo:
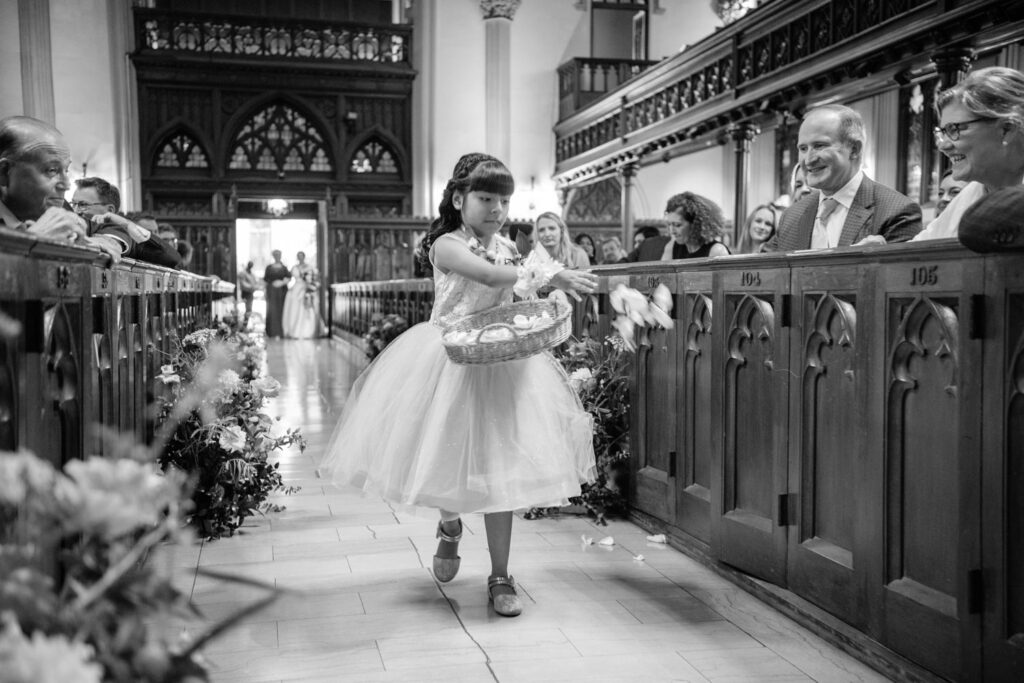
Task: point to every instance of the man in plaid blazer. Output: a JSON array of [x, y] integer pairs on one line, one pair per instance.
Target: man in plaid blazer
[[848, 207]]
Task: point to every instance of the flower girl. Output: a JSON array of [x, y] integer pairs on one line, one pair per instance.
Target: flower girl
[[423, 431]]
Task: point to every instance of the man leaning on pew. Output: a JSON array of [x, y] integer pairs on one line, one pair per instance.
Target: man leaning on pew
[[34, 161]]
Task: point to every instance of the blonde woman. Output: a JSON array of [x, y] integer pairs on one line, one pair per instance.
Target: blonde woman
[[552, 233]]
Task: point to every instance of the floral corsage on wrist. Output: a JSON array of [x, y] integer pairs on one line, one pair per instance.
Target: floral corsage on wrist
[[534, 273]]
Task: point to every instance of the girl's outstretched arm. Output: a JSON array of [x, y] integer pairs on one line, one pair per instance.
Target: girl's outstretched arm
[[451, 255]]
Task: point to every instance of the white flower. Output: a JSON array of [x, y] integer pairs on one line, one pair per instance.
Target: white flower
[[626, 330], [23, 475], [44, 659], [232, 439], [166, 369], [200, 337], [113, 497], [580, 379], [662, 298], [229, 380], [167, 375], [268, 386]]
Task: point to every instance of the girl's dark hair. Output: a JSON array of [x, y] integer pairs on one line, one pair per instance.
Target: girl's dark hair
[[473, 173]]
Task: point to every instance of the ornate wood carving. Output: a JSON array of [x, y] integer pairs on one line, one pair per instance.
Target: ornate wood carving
[[1013, 456], [923, 389], [748, 369], [696, 388], [829, 448], [63, 382]]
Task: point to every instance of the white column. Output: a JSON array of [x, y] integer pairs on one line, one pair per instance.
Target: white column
[[127, 155], [423, 107], [36, 60], [498, 16]]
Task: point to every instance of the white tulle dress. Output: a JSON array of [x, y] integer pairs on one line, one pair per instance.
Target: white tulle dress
[[424, 432]]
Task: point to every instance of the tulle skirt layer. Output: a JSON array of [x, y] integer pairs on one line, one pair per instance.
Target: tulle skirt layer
[[425, 432]]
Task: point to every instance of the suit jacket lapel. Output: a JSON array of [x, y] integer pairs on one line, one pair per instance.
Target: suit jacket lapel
[[859, 214], [805, 225]]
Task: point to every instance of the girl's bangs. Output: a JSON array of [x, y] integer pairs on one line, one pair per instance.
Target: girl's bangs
[[492, 177]]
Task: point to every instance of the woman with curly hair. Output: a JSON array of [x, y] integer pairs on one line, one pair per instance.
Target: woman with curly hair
[[695, 224]]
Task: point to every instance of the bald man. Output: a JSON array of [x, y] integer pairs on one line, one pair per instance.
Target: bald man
[[34, 161]]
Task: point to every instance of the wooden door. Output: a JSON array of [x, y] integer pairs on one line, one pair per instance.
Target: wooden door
[[1003, 471], [694, 308], [834, 536], [653, 419], [929, 395], [750, 404]]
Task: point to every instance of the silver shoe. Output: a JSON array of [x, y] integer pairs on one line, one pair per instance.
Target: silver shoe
[[505, 604], [445, 568]]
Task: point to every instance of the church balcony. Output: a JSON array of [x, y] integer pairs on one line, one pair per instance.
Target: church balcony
[[775, 59], [193, 35], [583, 80]]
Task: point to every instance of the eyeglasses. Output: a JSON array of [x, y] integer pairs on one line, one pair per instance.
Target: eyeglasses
[[952, 130], [78, 206]]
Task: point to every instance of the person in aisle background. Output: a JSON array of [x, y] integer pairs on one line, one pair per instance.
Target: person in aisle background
[[276, 276], [586, 243], [848, 208], [99, 203], [248, 283], [34, 161]]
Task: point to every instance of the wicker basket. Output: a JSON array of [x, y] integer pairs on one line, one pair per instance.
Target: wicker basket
[[524, 343]]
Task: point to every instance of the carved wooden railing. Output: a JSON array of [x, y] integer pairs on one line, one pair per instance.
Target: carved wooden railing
[[369, 248], [848, 426], [770, 60], [585, 80], [252, 37], [92, 341]]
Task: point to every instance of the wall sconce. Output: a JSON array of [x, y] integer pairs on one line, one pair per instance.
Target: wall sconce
[[278, 207]]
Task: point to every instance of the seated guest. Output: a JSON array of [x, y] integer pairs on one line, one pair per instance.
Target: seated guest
[[981, 130], [553, 234], [798, 187], [168, 234], [759, 228], [648, 244], [612, 251], [586, 242], [848, 208], [995, 222], [949, 187], [98, 202], [34, 160], [696, 225]]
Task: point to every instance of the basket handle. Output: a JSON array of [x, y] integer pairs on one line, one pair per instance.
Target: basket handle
[[494, 326]]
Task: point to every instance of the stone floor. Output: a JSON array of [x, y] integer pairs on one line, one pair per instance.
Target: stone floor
[[360, 603]]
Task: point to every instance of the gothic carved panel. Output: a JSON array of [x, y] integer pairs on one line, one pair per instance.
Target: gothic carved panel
[[922, 417], [830, 446]]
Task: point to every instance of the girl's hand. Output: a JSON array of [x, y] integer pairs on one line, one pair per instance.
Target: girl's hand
[[575, 282]]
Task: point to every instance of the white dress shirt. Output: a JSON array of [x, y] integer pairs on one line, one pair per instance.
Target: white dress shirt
[[826, 233]]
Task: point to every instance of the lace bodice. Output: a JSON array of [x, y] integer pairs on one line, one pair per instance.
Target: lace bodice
[[456, 296]]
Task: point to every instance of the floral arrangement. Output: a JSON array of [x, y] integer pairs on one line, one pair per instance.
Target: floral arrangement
[[311, 281], [216, 430], [599, 372], [382, 331], [96, 618], [492, 255]]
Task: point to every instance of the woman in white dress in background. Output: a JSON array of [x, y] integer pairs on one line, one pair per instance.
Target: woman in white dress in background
[[301, 318]]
